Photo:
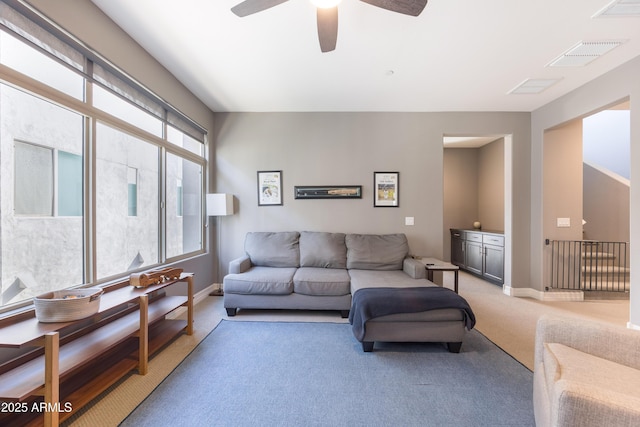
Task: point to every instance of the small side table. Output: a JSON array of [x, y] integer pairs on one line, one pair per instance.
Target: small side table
[[433, 264]]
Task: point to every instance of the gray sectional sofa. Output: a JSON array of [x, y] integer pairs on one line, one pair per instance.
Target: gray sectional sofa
[[289, 270], [321, 271], [316, 270]]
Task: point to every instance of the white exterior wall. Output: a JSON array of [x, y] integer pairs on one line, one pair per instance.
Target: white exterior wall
[[43, 252]]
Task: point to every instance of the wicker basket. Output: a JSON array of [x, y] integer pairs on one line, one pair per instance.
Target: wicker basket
[[67, 305]]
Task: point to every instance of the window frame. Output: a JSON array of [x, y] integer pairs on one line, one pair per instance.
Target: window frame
[[54, 182], [51, 181], [91, 116]]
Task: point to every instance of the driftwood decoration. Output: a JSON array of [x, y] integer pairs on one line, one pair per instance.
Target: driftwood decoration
[[153, 277]]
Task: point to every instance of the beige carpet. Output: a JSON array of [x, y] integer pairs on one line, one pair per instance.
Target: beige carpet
[[507, 321], [510, 322]]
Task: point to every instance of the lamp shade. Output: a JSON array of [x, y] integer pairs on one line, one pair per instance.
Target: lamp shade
[[219, 204]]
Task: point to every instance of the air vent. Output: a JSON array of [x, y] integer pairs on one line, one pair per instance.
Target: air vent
[[583, 53], [620, 8], [533, 86]]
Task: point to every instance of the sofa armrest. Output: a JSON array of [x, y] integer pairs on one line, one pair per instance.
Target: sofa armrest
[[610, 342], [414, 268], [240, 265]]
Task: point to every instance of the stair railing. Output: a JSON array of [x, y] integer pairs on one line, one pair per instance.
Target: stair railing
[[589, 265]]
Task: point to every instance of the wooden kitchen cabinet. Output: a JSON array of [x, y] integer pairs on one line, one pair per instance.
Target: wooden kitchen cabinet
[[479, 252]]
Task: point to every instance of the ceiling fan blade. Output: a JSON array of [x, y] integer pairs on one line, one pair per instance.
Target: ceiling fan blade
[[249, 7], [328, 28], [406, 7]]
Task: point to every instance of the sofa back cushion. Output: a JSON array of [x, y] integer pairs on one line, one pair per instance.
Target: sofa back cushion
[[376, 251], [324, 250], [273, 249]]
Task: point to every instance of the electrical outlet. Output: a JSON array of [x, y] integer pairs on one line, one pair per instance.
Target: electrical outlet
[[408, 220]]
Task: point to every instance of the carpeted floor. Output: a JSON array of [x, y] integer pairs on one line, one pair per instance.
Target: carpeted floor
[[507, 321], [289, 373]]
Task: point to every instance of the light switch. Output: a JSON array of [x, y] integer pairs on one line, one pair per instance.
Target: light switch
[[563, 222], [408, 220]]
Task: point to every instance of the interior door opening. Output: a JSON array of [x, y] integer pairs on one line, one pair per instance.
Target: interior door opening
[[586, 202], [477, 196]]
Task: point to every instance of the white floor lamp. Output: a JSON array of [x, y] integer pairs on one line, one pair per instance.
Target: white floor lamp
[[219, 204]]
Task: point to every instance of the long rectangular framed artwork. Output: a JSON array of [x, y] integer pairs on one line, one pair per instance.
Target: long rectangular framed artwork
[[386, 189], [328, 192]]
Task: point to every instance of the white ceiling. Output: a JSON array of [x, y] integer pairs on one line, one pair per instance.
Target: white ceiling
[[458, 55]]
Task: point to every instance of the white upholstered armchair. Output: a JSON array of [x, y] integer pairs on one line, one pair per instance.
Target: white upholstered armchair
[[586, 374]]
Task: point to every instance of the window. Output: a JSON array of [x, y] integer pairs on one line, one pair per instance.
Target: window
[[120, 108], [41, 249], [62, 156], [183, 140], [26, 59], [184, 204], [179, 198], [126, 212], [132, 191], [35, 171], [69, 184]]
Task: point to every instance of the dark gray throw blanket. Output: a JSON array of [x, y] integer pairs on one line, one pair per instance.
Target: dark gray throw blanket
[[369, 303]]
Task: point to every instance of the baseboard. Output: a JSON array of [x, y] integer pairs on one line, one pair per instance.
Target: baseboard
[[217, 290], [197, 297], [543, 296]]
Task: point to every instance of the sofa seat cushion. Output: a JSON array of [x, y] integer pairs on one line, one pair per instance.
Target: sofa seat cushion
[[590, 390], [325, 250], [273, 249], [376, 251], [260, 281], [384, 279], [321, 281]]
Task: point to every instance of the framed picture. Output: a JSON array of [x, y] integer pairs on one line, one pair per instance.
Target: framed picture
[[328, 192], [386, 189], [269, 188]]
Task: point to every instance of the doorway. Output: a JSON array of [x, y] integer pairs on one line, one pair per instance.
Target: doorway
[[477, 188], [586, 199]]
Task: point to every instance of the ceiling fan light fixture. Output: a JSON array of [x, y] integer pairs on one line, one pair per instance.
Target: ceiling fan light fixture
[[327, 14], [325, 4]]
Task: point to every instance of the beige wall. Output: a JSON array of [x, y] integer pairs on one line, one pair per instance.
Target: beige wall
[[346, 148], [562, 178], [563, 181], [606, 207], [609, 89], [460, 191], [491, 186]]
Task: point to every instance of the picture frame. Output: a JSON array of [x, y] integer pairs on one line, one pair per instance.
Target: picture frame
[[328, 192], [270, 188], [386, 189]]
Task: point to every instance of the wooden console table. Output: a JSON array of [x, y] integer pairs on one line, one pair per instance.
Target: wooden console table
[[65, 365]]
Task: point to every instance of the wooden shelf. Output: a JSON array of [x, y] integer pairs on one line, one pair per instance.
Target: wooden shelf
[[96, 354]]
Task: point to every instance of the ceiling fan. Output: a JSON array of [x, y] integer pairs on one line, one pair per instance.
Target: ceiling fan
[[327, 13]]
